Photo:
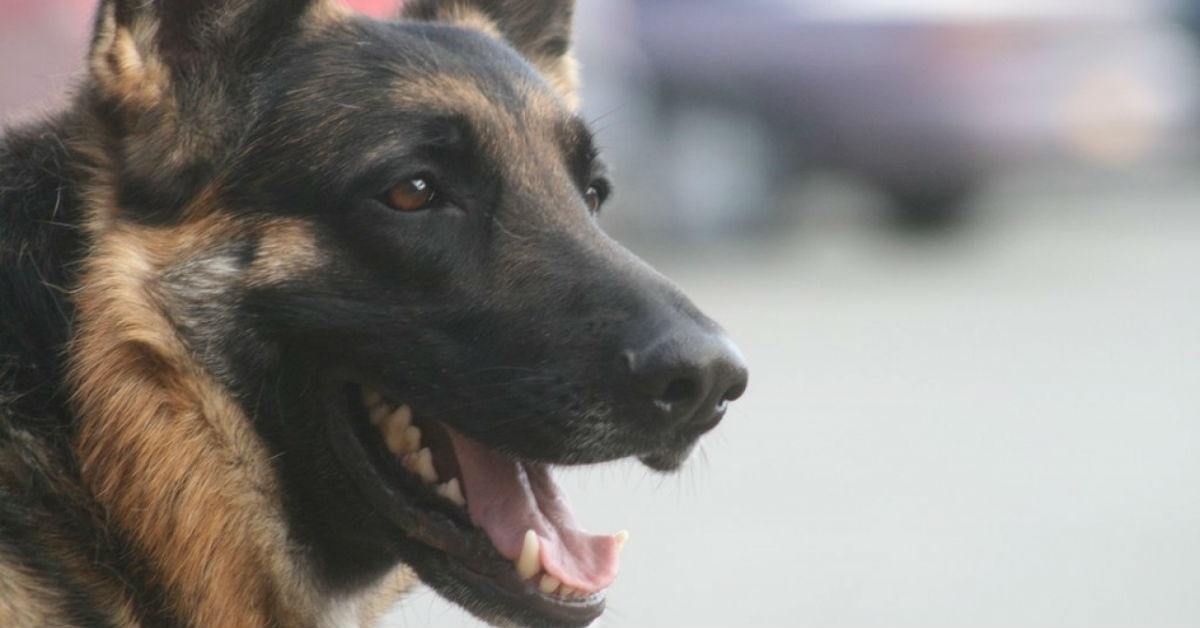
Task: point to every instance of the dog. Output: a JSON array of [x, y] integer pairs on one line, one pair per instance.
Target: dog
[[299, 308]]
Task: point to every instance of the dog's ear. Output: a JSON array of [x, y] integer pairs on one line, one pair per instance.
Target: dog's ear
[[539, 29], [172, 81]]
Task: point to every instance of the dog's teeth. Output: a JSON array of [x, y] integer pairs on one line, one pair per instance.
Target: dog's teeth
[[421, 463], [401, 416], [567, 591], [622, 538], [548, 584], [529, 563], [426, 470], [412, 439], [396, 427], [371, 398], [379, 413], [452, 491]]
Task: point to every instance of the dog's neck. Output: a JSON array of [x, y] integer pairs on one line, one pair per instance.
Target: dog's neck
[[169, 455], [163, 453]]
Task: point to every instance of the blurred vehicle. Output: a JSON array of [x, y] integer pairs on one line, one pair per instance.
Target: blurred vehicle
[[925, 105]]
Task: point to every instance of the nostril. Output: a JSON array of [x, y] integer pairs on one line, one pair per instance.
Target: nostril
[[734, 391], [679, 390], [687, 377]]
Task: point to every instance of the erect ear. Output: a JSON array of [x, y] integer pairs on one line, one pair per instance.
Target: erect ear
[[173, 80], [539, 29]]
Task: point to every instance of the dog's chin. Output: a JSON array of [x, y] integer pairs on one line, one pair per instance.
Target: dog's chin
[[667, 460], [420, 474]]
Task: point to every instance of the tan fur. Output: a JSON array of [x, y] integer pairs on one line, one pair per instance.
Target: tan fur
[[166, 451], [28, 598], [449, 93], [286, 248], [560, 71], [473, 18], [324, 13], [23, 601], [169, 455], [124, 65], [500, 130], [383, 596], [563, 75]]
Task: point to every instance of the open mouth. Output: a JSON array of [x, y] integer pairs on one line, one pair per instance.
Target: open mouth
[[498, 526]]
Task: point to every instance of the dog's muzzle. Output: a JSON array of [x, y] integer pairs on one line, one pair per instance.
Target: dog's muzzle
[[684, 378]]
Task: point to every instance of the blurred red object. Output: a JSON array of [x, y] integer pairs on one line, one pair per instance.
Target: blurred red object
[[376, 8], [18, 8], [42, 45]]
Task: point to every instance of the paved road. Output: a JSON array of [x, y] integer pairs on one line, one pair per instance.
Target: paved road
[[994, 429]]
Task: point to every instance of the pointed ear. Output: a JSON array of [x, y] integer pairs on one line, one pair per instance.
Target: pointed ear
[[173, 79], [140, 46], [539, 29]]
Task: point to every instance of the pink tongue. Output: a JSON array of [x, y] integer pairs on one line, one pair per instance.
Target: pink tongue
[[506, 498]]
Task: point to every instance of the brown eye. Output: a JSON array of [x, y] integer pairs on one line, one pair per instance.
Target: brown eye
[[592, 198], [411, 195]]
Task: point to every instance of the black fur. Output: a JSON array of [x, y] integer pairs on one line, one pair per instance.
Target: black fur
[[48, 527], [501, 311]]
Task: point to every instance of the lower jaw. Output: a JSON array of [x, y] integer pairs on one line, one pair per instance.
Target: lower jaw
[[502, 600], [460, 564]]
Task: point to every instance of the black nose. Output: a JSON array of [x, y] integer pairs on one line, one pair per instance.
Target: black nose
[[688, 377]]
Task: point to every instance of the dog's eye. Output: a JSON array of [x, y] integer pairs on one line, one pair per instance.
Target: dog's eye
[[592, 198], [595, 194], [412, 195]]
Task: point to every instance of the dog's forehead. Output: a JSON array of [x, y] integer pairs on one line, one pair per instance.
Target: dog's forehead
[[422, 67], [361, 90]]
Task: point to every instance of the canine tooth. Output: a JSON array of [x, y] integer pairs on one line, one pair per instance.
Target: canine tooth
[[371, 398], [412, 437], [428, 473], [622, 537], [394, 435], [567, 591], [452, 491], [529, 563], [421, 463], [548, 584]]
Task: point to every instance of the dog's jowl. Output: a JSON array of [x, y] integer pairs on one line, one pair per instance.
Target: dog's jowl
[[298, 308]]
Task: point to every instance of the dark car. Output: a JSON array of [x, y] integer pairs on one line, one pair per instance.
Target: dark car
[[926, 105]]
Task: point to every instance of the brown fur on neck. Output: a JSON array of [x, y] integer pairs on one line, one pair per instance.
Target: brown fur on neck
[[168, 454]]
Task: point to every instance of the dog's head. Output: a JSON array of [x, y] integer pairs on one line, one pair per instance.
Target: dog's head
[[383, 242]]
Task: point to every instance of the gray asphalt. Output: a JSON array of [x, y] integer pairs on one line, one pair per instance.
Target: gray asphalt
[[996, 428]]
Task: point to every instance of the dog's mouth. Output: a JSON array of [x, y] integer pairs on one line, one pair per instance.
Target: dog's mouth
[[499, 531]]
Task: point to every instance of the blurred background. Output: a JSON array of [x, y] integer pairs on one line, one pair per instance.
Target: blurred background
[[959, 244]]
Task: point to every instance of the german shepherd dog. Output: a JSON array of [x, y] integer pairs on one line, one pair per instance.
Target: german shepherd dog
[[298, 308]]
